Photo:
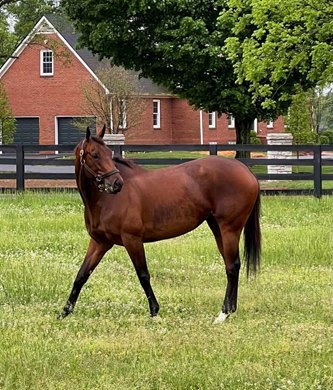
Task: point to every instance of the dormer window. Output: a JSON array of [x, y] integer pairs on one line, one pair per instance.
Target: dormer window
[[46, 63]]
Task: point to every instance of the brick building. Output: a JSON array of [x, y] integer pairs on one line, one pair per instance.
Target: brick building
[[45, 93]]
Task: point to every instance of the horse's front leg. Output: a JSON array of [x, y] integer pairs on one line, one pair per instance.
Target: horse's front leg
[[94, 255], [135, 249]]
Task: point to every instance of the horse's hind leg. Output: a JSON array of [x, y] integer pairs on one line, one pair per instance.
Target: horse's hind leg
[[135, 249], [94, 255], [227, 239]]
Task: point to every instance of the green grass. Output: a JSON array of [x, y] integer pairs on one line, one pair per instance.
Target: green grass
[[280, 337]]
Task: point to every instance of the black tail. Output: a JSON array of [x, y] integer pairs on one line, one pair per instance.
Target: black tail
[[252, 239]]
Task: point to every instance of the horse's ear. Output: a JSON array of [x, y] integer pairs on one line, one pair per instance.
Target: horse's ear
[[88, 134], [102, 132]]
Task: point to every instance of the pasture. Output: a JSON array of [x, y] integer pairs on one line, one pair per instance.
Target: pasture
[[279, 338]]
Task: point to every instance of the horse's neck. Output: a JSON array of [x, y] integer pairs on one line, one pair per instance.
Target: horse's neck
[[87, 191]]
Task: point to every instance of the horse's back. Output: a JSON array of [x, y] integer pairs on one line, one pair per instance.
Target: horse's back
[[223, 175]]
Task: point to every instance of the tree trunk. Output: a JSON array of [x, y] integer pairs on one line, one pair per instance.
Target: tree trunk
[[243, 129]]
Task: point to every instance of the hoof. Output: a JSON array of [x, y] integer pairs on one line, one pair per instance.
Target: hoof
[[62, 315], [153, 314], [68, 309], [221, 318]]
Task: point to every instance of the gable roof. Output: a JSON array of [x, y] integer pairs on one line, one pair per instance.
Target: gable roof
[[59, 25]]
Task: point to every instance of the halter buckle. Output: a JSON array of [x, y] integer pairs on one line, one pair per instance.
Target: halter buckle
[[81, 157]]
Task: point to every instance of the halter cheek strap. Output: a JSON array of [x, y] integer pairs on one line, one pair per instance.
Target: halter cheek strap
[[97, 176]]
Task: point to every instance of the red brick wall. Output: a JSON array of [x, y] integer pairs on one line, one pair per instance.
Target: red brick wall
[[180, 124], [145, 133], [46, 97]]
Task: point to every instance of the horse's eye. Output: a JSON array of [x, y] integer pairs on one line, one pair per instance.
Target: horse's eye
[[94, 155]]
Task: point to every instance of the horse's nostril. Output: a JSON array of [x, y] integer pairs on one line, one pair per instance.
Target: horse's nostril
[[117, 185]]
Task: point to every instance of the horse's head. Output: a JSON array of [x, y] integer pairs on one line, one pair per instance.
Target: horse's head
[[94, 160]]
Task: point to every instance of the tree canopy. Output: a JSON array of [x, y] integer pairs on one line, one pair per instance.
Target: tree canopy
[[282, 46]]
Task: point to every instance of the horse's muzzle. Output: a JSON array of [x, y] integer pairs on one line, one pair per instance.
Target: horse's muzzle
[[111, 188]]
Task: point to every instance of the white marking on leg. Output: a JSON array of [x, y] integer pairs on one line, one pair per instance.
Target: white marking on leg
[[221, 318]]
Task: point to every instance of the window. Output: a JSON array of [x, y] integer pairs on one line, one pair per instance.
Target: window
[[156, 114], [212, 120], [254, 126], [231, 122], [46, 63], [270, 125]]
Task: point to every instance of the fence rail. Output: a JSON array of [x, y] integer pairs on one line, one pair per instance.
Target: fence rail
[[55, 162]]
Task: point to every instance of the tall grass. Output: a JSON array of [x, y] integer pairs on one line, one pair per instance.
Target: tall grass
[[280, 337]]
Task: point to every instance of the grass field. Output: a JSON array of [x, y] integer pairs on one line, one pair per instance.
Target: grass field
[[280, 337]]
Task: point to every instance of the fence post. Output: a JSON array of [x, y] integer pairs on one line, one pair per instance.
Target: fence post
[[19, 167], [213, 148], [317, 181], [115, 141]]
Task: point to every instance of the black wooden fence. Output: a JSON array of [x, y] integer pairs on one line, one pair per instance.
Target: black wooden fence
[[17, 162]]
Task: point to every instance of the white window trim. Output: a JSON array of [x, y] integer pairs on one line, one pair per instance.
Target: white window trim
[[158, 114], [270, 125], [232, 120], [255, 125], [212, 116], [42, 63]]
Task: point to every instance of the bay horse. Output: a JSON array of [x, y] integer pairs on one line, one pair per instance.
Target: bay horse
[[128, 205]]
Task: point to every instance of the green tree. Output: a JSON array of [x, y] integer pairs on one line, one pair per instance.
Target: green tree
[[281, 46], [299, 119], [179, 44], [4, 3], [7, 122], [7, 39], [27, 13], [324, 106]]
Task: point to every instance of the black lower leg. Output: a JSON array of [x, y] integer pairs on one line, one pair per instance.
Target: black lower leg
[[70, 304], [230, 300], [152, 301]]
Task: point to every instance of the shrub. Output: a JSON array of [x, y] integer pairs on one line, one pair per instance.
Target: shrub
[[328, 134], [323, 140], [304, 137], [254, 140]]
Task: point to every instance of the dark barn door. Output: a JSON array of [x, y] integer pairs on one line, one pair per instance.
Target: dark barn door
[[27, 131], [68, 131]]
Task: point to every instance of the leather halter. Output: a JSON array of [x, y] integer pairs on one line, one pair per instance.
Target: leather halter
[[98, 177]]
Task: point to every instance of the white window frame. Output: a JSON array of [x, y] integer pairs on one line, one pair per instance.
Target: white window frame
[[42, 62], [270, 124], [231, 122], [212, 120], [255, 125], [156, 114]]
